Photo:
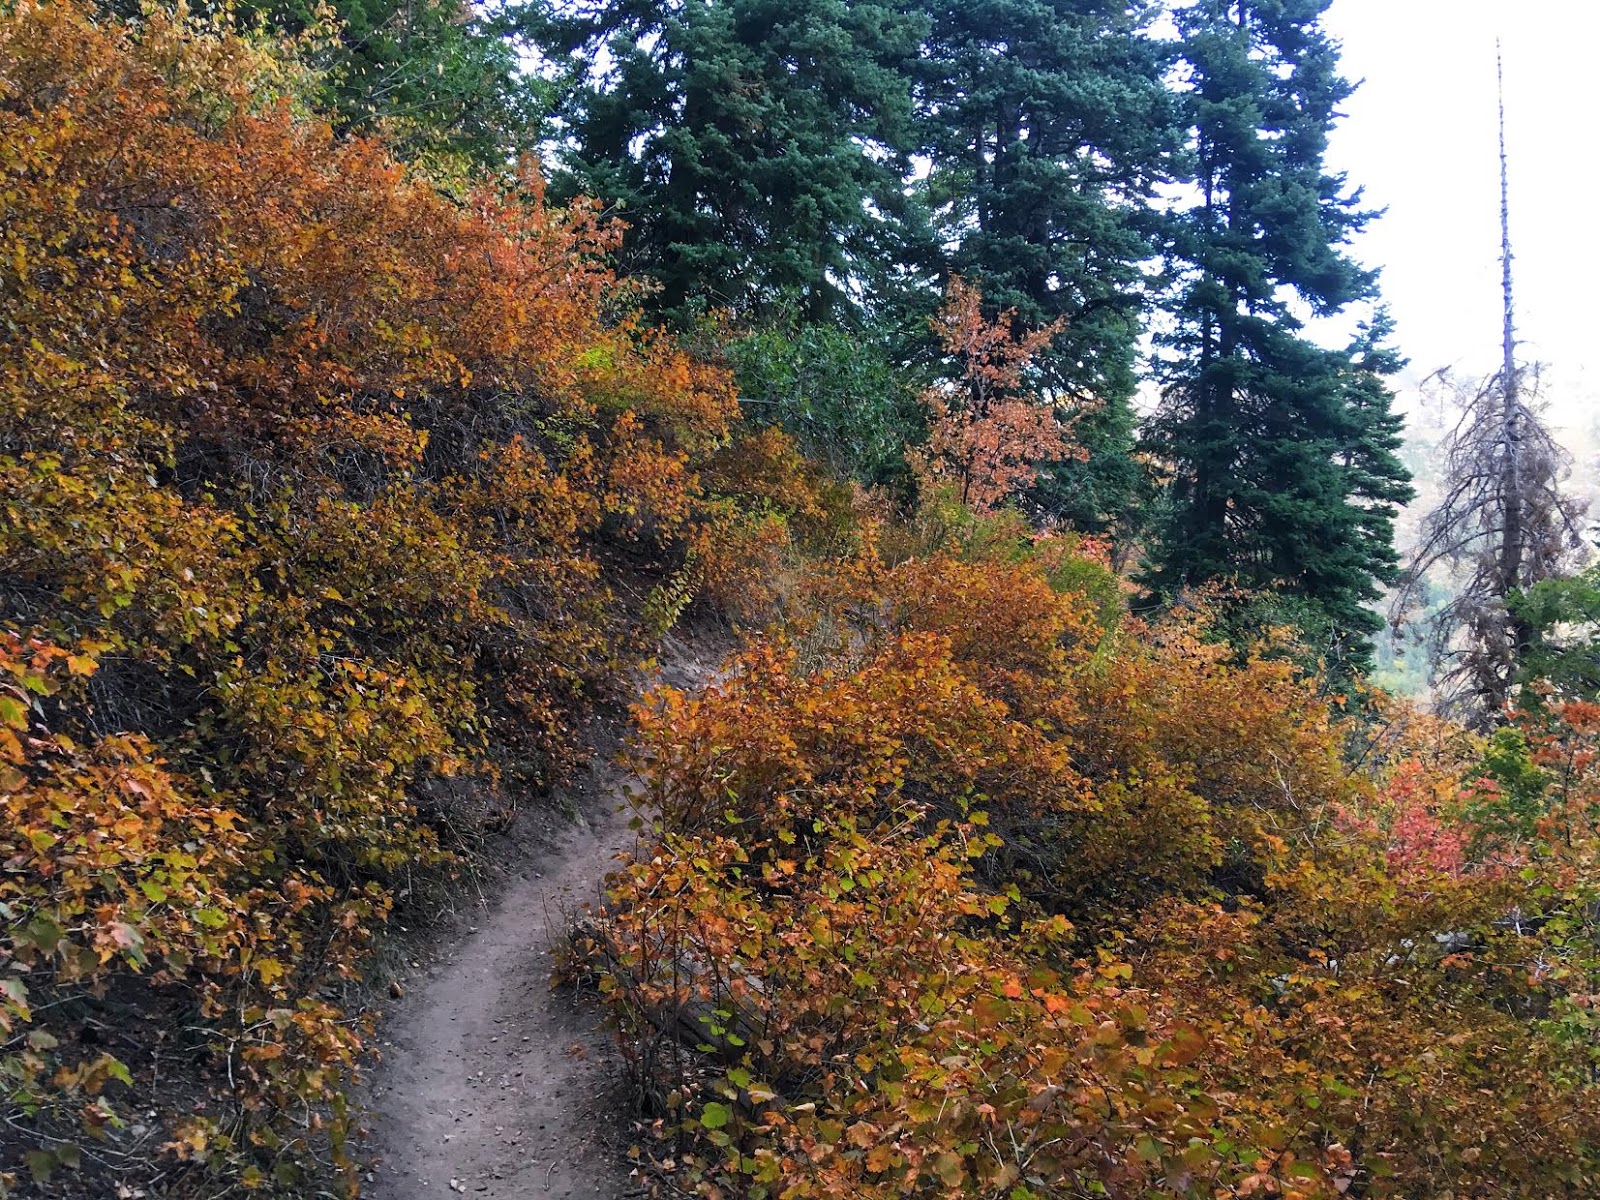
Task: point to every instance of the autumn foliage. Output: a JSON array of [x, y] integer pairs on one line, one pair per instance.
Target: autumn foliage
[[332, 501], [315, 483], [989, 431], [963, 891]]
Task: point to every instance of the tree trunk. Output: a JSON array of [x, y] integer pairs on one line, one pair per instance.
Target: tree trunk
[[1513, 541]]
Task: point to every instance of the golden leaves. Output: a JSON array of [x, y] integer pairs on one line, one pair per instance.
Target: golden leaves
[[307, 472]]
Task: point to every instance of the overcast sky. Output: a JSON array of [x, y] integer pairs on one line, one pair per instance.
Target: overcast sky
[[1420, 136]]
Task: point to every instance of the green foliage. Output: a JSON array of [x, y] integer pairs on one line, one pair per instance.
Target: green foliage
[[1047, 126], [755, 147], [839, 393], [1563, 654], [1108, 491], [1512, 795], [1047, 131], [439, 80], [764, 161], [1283, 452]]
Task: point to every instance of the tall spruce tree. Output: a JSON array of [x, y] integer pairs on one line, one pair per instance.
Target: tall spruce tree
[[1285, 476], [1047, 126], [757, 148]]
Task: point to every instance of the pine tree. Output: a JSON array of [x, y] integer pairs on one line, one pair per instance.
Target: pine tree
[[1047, 126], [440, 79], [757, 148], [1285, 476], [1377, 480]]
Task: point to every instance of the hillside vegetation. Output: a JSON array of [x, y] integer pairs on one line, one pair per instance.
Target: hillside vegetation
[[1042, 837], [319, 487], [964, 891]]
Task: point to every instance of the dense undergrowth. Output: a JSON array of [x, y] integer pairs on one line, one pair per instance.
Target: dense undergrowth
[[968, 887], [329, 502]]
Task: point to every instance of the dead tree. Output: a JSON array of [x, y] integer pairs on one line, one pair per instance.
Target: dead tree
[[1504, 522]]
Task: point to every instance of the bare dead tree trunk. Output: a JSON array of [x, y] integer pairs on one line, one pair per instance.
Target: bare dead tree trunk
[[1513, 544], [1504, 522]]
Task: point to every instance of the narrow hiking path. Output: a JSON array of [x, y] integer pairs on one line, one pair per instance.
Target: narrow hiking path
[[492, 1084]]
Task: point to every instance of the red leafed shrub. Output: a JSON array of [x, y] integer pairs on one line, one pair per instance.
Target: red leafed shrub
[[989, 432]]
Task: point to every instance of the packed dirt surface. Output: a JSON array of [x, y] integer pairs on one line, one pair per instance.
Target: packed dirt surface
[[492, 1083]]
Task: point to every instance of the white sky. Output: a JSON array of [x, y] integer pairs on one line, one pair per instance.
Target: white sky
[[1420, 136]]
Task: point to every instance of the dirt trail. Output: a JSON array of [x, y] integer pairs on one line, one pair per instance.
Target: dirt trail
[[492, 1084]]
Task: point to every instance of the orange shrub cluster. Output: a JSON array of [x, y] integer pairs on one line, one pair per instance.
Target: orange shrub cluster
[[309, 476], [961, 892]]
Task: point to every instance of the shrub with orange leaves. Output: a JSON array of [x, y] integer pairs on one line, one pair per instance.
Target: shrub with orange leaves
[[770, 506], [309, 476], [962, 890], [988, 432]]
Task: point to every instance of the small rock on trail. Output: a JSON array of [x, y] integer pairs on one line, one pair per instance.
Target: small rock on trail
[[493, 1085]]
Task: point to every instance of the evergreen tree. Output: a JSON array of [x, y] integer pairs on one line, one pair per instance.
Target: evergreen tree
[[757, 148], [1285, 475], [1377, 481], [1048, 125], [439, 78]]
